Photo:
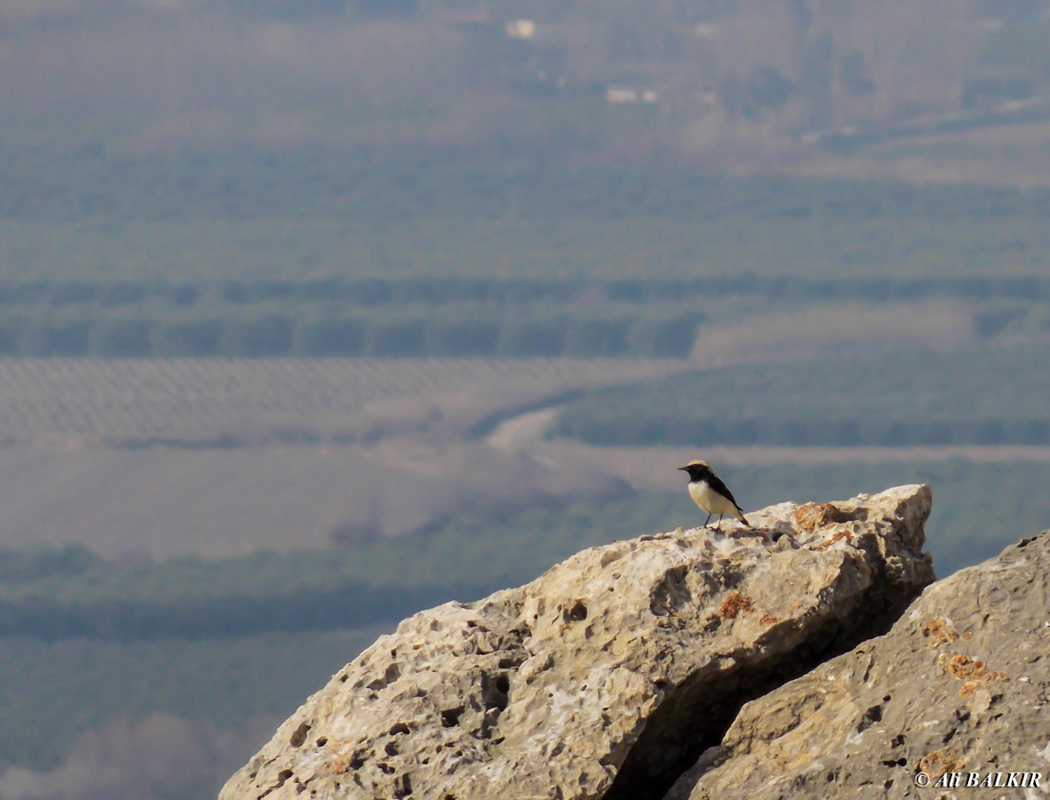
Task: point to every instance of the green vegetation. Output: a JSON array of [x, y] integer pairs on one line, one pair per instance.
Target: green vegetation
[[53, 691], [316, 214], [304, 329], [452, 316], [445, 186], [983, 395], [329, 252]]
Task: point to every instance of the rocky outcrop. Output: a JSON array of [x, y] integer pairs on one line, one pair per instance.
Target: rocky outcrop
[[954, 696], [608, 675]]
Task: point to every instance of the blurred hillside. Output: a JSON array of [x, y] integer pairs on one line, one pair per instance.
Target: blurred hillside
[[728, 83]]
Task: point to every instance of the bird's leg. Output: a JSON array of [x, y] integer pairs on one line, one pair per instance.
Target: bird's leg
[[708, 518], [718, 527]]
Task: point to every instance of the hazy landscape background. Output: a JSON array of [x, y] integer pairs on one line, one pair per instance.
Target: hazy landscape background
[[316, 313]]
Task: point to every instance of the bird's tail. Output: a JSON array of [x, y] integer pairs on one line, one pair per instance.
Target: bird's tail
[[740, 516]]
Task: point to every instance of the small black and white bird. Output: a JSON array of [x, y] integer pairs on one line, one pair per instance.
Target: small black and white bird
[[711, 494]]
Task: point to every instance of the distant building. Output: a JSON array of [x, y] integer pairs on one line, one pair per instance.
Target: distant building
[[628, 94], [621, 94], [521, 28]]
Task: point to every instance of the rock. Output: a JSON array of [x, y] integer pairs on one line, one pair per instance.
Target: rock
[[959, 685], [607, 675]]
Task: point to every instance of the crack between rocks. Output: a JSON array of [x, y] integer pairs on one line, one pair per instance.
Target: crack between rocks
[[696, 716]]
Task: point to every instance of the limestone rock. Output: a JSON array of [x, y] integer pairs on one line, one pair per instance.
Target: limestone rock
[[608, 674], [959, 685]]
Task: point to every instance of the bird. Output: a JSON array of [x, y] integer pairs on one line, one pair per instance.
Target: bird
[[711, 494]]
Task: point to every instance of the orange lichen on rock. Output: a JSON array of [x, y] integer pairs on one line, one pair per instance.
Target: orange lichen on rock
[[940, 762], [765, 619], [837, 537], [735, 603], [972, 672], [817, 515], [340, 763], [962, 667], [938, 630]]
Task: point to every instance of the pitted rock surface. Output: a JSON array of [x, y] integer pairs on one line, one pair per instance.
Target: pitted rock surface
[[960, 685], [608, 674]]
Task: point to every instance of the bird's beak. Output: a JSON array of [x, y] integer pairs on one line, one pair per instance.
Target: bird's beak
[[685, 468]]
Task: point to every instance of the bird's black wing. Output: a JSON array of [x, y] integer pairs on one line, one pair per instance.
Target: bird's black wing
[[722, 489]]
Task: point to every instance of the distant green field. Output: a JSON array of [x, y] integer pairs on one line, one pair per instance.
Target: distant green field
[[83, 214], [320, 252], [53, 691], [973, 395]]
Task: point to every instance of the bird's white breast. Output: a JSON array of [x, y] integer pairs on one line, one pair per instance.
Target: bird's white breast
[[710, 501]]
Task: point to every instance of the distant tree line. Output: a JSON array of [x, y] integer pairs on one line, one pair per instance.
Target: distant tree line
[[379, 291], [346, 605], [817, 432], [60, 591], [455, 316], [444, 332], [43, 561], [502, 292]]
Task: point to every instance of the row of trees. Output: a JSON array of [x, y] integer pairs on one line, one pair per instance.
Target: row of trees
[[450, 332], [347, 605], [804, 432], [503, 292]]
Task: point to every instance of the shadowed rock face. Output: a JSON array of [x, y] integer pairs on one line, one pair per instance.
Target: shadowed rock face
[[959, 685], [609, 674]]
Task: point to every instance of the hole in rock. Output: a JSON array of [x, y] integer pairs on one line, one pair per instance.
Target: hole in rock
[[300, 735], [450, 717], [578, 613], [398, 727], [695, 714], [871, 716], [402, 786], [494, 691]]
